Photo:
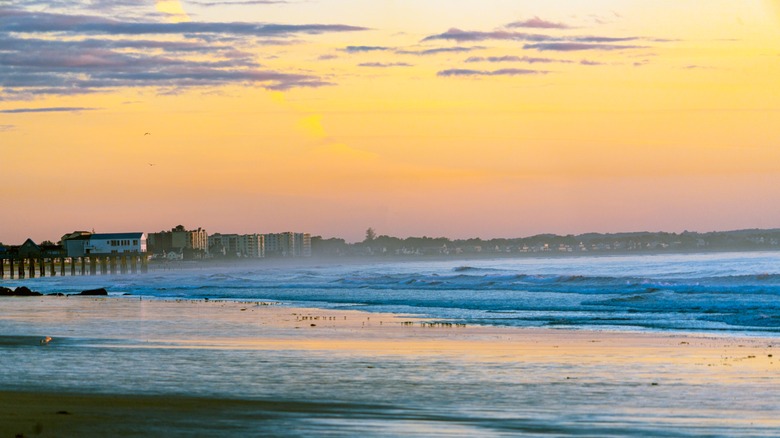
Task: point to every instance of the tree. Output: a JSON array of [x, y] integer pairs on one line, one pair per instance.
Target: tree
[[370, 235]]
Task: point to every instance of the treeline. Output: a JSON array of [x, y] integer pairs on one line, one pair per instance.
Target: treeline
[[374, 245]]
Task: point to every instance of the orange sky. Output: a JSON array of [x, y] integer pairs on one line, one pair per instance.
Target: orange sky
[[462, 119]]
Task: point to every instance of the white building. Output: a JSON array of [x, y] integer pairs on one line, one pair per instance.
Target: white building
[[251, 245], [105, 244]]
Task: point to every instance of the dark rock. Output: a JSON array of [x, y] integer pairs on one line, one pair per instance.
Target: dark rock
[[56, 294], [94, 292], [21, 291]]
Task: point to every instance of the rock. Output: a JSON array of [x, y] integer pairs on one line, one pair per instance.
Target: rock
[[24, 291], [94, 292], [21, 291], [56, 294]]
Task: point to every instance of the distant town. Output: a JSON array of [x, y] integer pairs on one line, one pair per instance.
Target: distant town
[[180, 244], [551, 244]]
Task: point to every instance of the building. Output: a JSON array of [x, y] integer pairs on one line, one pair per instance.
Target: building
[[189, 243], [302, 245], [252, 246], [288, 244], [223, 245], [280, 244], [82, 244]]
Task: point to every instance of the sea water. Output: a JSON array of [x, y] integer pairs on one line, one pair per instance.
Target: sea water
[[313, 393], [722, 292]]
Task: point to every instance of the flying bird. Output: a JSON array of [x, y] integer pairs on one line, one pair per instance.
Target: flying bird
[[151, 164], [147, 133]]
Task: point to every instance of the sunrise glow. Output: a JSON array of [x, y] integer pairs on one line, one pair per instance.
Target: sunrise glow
[[464, 119]]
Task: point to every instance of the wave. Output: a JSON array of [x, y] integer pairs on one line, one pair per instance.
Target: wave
[[670, 296]]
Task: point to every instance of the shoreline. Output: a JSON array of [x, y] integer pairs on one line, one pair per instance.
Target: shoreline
[[350, 366], [409, 318]]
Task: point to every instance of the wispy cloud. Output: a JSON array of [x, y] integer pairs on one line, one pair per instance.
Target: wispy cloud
[[4, 128], [384, 64], [538, 23], [466, 36], [42, 22], [510, 58], [52, 53], [55, 109], [362, 49], [438, 51], [590, 63], [459, 35], [501, 72], [574, 47]]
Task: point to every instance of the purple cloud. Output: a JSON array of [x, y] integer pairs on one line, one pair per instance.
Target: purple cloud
[[573, 47], [538, 23], [438, 51], [45, 53], [466, 36], [385, 64], [363, 49], [38, 22], [55, 109], [527, 59], [502, 72]]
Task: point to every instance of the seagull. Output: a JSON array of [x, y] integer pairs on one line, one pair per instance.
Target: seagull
[[151, 164], [147, 133]]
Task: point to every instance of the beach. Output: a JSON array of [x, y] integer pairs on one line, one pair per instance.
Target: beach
[[129, 366]]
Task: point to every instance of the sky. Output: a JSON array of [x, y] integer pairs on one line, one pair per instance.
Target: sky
[[456, 118]]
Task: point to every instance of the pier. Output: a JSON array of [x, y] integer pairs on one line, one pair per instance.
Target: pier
[[13, 266]]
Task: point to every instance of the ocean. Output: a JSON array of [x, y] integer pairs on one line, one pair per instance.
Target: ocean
[[98, 349], [734, 293]]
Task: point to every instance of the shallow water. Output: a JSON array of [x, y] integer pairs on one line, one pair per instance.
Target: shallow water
[[98, 349], [295, 393]]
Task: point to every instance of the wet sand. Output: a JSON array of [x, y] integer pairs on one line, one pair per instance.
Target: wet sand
[[376, 345]]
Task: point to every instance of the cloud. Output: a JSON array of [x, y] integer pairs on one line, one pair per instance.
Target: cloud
[[45, 53], [4, 128], [591, 63], [572, 47], [385, 64], [136, 9], [437, 51], [538, 23], [527, 59], [42, 22], [459, 35], [540, 41], [502, 72], [361, 49], [55, 109]]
